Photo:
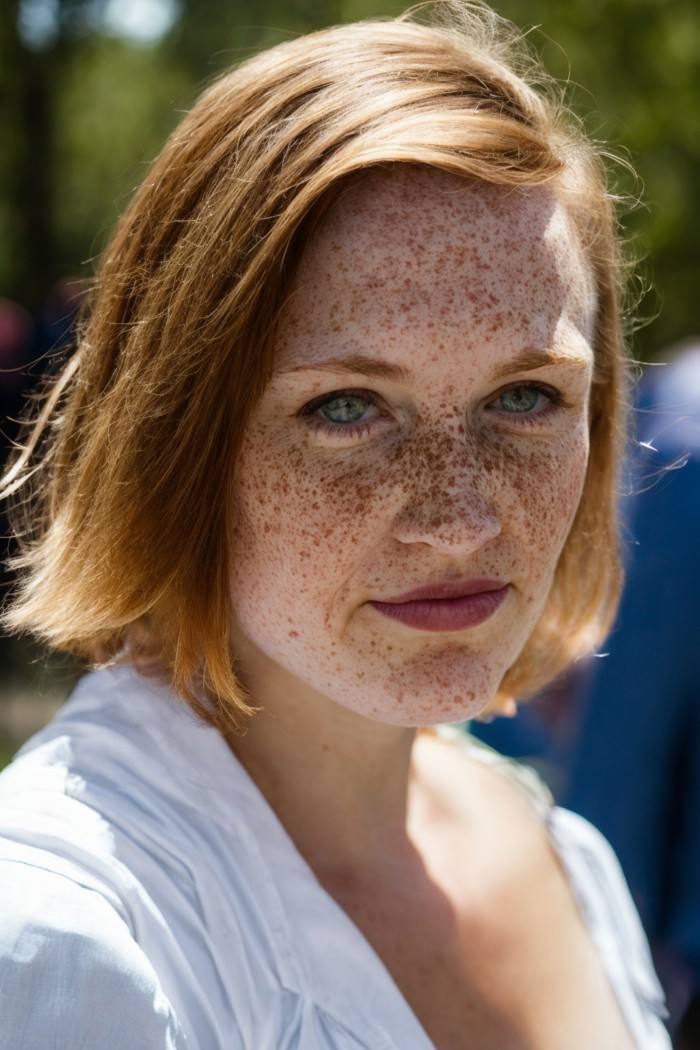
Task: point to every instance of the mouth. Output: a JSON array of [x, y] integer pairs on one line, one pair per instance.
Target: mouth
[[445, 614]]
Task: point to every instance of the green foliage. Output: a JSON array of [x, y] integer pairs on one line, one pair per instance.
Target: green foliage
[[634, 72], [116, 106], [633, 67], [7, 751]]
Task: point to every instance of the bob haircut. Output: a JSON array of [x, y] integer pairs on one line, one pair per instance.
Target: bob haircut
[[126, 540]]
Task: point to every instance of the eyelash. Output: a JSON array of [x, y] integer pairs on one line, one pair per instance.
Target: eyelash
[[358, 430]]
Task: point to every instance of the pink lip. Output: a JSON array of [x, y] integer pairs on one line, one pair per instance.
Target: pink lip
[[447, 613], [449, 589]]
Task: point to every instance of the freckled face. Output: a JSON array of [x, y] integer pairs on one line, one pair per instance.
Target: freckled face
[[351, 488]]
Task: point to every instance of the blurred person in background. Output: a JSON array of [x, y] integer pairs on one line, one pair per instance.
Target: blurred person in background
[[16, 340], [16, 348], [32, 349], [54, 332]]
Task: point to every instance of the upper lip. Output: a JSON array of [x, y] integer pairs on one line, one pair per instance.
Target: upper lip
[[447, 589]]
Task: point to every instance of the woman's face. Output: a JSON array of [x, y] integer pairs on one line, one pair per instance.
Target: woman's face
[[448, 457]]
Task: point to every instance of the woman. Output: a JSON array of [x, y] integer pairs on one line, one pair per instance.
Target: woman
[[326, 471]]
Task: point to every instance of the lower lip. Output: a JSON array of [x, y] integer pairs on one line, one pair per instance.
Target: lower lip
[[445, 614]]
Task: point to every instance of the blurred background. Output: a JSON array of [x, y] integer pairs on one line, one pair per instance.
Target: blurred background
[[90, 89]]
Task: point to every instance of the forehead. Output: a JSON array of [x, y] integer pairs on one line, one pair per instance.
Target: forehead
[[415, 249]]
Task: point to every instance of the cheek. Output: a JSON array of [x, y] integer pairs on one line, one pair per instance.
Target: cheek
[[547, 488], [300, 520]]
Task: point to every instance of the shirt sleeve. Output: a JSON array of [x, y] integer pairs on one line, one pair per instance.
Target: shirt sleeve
[[72, 977], [600, 888]]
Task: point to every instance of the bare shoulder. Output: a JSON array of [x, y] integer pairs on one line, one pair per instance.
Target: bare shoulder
[[522, 933], [500, 852], [487, 803]]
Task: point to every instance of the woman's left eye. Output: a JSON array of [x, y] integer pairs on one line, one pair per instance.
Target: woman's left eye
[[522, 399]]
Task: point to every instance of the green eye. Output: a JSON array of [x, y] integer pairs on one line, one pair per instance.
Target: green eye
[[521, 398], [346, 408], [344, 413]]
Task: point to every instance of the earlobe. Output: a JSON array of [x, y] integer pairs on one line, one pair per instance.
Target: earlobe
[[508, 709]]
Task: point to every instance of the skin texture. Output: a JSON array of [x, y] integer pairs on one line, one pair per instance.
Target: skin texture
[[450, 280]]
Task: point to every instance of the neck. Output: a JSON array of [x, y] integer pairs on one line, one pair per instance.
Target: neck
[[341, 784]]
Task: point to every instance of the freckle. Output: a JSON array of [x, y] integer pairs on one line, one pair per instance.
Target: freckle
[[293, 634]]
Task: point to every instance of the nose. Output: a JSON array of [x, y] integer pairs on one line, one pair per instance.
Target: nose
[[454, 517]]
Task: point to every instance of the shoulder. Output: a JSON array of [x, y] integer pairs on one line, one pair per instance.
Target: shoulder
[[596, 875], [71, 974], [512, 789], [530, 844], [499, 804], [604, 898], [562, 839]]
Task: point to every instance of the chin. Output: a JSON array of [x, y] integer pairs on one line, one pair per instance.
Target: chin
[[412, 708]]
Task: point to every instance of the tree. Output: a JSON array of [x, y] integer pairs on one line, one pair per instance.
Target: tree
[[86, 111]]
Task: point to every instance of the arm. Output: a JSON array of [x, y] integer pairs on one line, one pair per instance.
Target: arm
[[71, 975]]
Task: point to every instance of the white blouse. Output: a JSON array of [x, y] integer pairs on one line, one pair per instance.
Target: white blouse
[[150, 898]]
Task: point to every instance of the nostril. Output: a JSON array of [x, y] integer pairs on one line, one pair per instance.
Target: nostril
[[457, 528]]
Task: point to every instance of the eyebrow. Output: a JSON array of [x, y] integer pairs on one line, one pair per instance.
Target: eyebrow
[[527, 361]]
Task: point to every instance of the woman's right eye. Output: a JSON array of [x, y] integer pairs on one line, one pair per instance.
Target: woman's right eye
[[342, 413]]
